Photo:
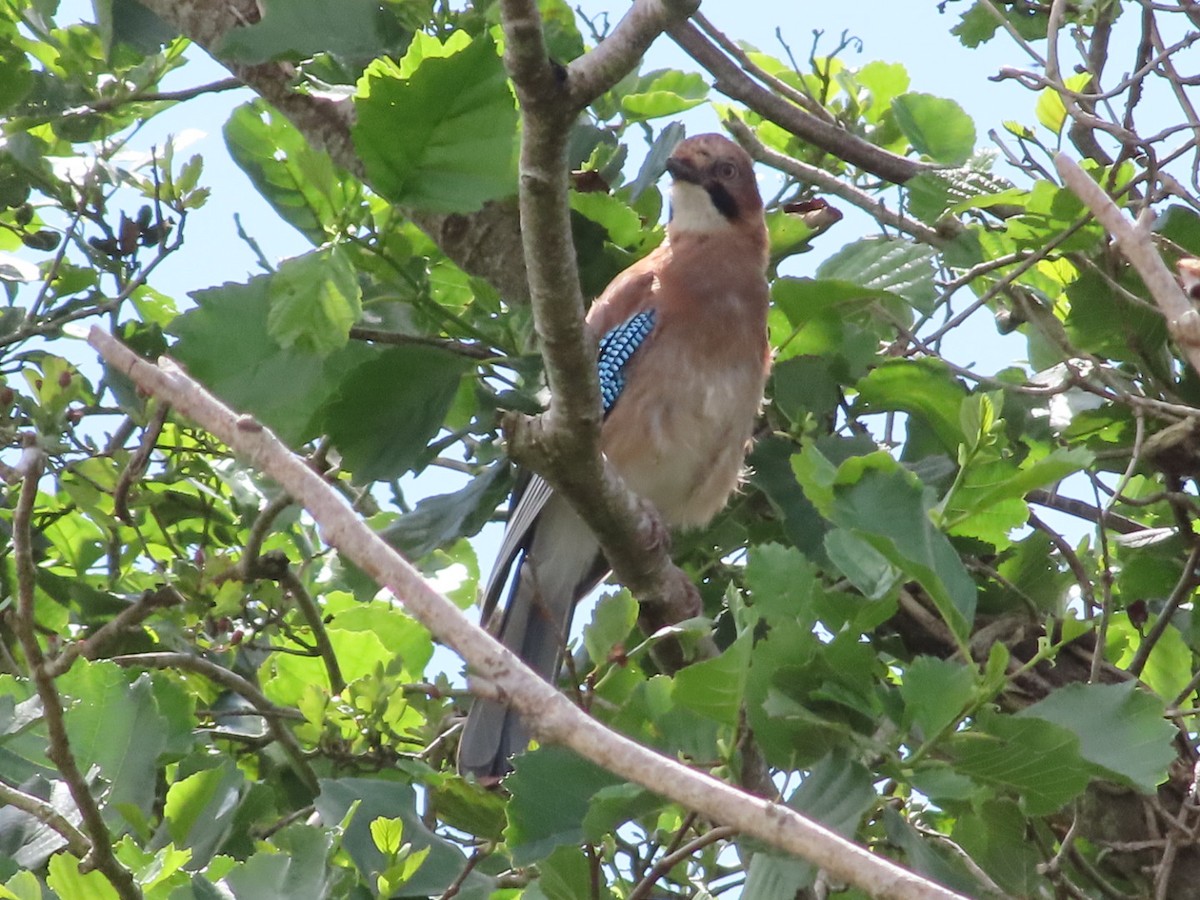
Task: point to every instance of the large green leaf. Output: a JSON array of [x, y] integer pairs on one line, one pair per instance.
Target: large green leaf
[[444, 135], [386, 410], [374, 798], [315, 299], [1036, 758], [225, 342], [922, 387], [894, 265], [200, 809], [295, 29], [664, 93], [116, 726], [836, 793], [936, 127], [298, 179], [714, 688], [552, 789], [935, 692], [876, 499], [299, 870], [443, 518], [1120, 729]]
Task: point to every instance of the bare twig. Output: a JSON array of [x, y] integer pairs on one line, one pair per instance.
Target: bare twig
[[132, 615], [555, 719], [1188, 579], [644, 887], [597, 71], [138, 462]]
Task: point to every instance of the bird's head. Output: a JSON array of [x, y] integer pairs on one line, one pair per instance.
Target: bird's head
[[714, 189]]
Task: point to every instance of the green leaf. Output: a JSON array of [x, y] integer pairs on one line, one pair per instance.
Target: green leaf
[[664, 93], [298, 870], [200, 809], [782, 585], [387, 409], [894, 265], [444, 518], [388, 834], [566, 875], [225, 343], [867, 568], [298, 179], [623, 224], [933, 194], [852, 496], [922, 387], [714, 688], [936, 127], [457, 147], [314, 300], [377, 797], [1120, 729], [1050, 110], [551, 789], [1036, 758], [612, 621], [836, 793], [297, 29], [935, 692], [69, 883], [116, 726]]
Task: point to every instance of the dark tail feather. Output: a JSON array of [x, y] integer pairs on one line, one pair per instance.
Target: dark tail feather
[[562, 563]]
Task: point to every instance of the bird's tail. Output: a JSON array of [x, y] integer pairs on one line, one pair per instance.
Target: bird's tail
[[562, 563]]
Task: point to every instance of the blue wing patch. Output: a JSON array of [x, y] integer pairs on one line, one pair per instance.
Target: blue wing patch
[[616, 348]]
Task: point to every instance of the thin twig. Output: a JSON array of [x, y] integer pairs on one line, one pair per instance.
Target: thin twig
[[1187, 582], [671, 860]]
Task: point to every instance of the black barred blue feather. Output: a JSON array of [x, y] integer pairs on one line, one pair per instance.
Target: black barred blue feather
[[616, 348]]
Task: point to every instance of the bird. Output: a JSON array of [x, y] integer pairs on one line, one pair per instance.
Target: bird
[[683, 360]]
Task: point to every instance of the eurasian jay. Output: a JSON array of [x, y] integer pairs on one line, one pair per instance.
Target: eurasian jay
[[683, 360]]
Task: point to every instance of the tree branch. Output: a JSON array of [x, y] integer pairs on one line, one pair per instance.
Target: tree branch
[[1135, 245], [555, 718], [77, 841], [737, 85], [58, 748], [563, 445], [598, 70]]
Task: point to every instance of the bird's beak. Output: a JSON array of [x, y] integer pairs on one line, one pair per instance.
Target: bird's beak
[[682, 170]]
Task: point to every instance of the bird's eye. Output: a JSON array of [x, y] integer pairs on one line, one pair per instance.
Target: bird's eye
[[726, 170]]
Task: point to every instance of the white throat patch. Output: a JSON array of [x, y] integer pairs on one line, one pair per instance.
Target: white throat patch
[[692, 210]]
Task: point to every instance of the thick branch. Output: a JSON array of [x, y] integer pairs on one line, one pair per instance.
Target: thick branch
[[555, 718], [563, 445]]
